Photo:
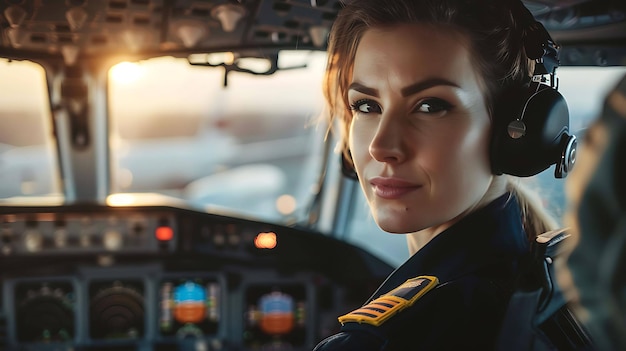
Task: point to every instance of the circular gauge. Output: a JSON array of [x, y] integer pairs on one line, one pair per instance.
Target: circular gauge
[[45, 314], [117, 312]]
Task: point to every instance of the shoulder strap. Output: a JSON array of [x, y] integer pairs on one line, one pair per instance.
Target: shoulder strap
[[538, 316], [385, 310]]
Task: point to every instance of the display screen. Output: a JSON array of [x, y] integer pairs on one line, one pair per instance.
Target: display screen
[[189, 307], [276, 316]]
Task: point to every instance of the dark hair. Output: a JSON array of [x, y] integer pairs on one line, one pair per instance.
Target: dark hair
[[494, 34]]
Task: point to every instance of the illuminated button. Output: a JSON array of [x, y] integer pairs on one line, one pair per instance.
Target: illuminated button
[[33, 240], [201, 345], [219, 239], [164, 233], [234, 239], [265, 240], [112, 240], [60, 237], [84, 239]]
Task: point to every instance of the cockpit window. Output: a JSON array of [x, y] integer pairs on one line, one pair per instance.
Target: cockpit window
[[28, 163], [250, 146]]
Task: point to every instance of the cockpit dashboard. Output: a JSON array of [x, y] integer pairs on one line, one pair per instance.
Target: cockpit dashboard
[[138, 277]]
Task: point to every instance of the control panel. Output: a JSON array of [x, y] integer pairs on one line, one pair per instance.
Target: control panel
[[164, 278]]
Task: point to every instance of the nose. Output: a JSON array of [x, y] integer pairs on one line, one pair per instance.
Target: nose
[[387, 142]]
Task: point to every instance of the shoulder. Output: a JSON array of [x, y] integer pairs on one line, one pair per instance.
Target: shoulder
[[478, 291], [460, 302], [455, 315], [466, 311]]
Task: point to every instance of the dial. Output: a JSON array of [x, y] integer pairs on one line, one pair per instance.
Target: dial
[[116, 310], [45, 311]]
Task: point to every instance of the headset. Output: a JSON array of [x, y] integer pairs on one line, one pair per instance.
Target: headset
[[530, 120]]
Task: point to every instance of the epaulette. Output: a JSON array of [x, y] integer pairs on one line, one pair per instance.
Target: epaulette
[[384, 307]]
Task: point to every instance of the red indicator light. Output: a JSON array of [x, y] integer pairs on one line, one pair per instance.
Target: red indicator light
[[265, 240], [164, 233]]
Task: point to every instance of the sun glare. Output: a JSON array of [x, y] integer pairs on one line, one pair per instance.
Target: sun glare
[[126, 72]]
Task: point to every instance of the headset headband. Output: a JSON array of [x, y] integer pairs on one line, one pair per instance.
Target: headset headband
[[538, 43]]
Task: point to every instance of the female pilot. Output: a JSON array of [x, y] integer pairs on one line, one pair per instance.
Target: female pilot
[[413, 85]]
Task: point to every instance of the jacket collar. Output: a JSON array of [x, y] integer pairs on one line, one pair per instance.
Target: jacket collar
[[488, 235]]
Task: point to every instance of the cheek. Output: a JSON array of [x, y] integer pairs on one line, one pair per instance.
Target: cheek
[[464, 172], [464, 148]]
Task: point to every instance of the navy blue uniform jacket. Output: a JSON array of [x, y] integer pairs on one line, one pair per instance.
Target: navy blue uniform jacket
[[475, 261]]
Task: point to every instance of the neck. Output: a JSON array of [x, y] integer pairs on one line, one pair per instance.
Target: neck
[[419, 239]]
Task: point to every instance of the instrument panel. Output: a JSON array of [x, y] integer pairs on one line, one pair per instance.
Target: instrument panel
[[92, 277]]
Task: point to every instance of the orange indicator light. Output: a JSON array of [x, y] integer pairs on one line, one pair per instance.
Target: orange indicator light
[[164, 233], [265, 240]]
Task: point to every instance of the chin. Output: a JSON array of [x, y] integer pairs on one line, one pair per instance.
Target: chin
[[394, 226], [399, 219], [393, 230]]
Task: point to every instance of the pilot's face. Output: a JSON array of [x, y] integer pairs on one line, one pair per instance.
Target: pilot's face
[[420, 131]]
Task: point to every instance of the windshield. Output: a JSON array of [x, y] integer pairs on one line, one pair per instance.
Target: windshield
[[251, 147], [28, 163]]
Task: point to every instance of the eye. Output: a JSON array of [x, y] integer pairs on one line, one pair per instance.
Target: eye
[[365, 106], [433, 105]]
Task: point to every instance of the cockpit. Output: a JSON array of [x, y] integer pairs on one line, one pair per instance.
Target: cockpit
[[167, 181]]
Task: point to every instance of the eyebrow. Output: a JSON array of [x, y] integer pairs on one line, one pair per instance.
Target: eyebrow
[[408, 90]]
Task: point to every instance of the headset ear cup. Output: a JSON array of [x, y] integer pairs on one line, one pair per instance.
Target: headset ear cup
[[569, 145], [507, 109], [528, 131]]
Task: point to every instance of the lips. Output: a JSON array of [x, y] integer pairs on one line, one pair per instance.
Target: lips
[[392, 188]]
